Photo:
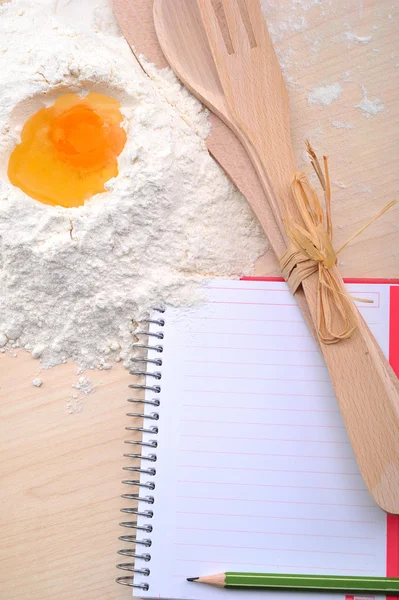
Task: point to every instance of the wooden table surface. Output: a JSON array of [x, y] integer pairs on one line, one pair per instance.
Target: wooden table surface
[[60, 472]]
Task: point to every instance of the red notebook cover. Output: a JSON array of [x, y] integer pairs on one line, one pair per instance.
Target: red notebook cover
[[392, 520]]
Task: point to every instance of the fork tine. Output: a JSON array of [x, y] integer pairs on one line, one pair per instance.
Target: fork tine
[[222, 21], [247, 77], [217, 28], [237, 18], [247, 18], [231, 25]]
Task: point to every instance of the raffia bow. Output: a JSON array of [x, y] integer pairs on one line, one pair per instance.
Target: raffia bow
[[311, 250]]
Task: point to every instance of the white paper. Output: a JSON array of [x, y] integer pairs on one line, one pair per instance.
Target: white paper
[[255, 471]]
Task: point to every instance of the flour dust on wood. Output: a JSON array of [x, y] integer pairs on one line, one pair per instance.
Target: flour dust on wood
[[74, 283]]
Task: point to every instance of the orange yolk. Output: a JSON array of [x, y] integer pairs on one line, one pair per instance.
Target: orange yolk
[[69, 151]]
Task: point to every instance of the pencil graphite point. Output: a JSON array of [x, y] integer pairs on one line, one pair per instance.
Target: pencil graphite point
[[192, 578]]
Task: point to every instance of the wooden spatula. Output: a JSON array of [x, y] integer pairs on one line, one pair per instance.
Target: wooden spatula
[[255, 92]]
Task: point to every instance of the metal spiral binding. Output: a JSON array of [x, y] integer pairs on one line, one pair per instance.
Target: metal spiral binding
[[150, 428]]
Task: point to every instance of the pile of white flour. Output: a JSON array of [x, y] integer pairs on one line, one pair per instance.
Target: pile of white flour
[[74, 282]]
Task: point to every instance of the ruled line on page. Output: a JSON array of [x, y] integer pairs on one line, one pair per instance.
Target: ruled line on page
[[251, 364], [247, 334], [268, 289], [243, 319], [301, 350], [318, 551], [271, 395], [258, 532], [249, 289], [285, 517], [279, 304], [293, 471], [258, 501], [312, 457], [263, 439], [273, 485], [204, 318], [207, 421], [279, 565], [353, 293], [267, 408], [240, 378]]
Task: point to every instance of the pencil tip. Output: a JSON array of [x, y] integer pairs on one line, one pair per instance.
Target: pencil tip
[[192, 578]]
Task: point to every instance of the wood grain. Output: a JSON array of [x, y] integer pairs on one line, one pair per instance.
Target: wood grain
[[253, 84], [72, 554], [60, 482], [196, 70]]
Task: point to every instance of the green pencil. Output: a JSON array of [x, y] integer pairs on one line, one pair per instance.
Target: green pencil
[[322, 583]]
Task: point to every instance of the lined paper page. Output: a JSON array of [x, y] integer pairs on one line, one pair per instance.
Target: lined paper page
[[255, 471]]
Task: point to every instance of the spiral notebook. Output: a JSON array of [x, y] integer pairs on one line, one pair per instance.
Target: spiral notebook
[[246, 463]]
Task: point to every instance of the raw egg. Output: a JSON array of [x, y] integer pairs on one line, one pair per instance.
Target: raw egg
[[69, 150]]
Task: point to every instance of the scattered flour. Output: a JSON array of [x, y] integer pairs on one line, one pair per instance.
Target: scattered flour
[[352, 37], [369, 107], [37, 382], [75, 282], [340, 125], [325, 95], [84, 386], [75, 401], [307, 4], [291, 23], [365, 189], [339, 184]]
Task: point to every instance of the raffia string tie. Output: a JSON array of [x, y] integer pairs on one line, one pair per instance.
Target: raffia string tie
[[311, 251]]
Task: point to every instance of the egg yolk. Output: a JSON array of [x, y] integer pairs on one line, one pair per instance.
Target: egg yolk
[[69, 151]]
